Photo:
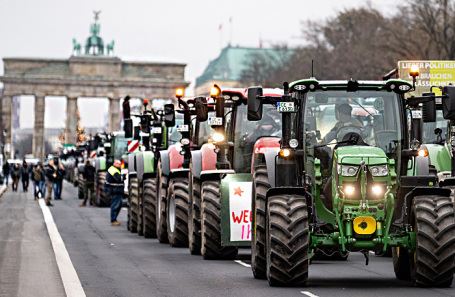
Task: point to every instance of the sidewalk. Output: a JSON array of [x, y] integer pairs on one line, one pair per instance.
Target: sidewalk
[[27, 261]]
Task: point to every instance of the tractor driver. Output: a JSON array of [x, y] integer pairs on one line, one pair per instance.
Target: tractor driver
[[344, 120]]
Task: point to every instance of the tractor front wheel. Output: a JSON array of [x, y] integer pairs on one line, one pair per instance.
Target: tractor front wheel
[[260, 187], [287, 240], [434, 223], [149, 205], [133, 205], [211, 247], [177, 212], [101, 198], [161, 228]]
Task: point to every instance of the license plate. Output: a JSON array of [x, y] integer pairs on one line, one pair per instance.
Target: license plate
[[144, 134], [285, 107], [215, 121], [156, 130], [182, 128], [416, 114]]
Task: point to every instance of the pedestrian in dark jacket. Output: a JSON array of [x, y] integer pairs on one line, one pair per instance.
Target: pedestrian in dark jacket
[[58, 181], [114, 188], [126, 107], [89, 183], [25, 176], [39, 181], [15, 175], [6, 172]]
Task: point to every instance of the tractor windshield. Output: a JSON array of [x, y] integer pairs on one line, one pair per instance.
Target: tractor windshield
[[247, 133], [429, 135], [331, 117], [120, 146], [174, 135]]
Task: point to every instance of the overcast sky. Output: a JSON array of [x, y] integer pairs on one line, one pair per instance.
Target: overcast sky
[[168, 30]]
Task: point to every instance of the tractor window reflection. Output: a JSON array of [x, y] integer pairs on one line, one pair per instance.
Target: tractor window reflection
[[247, 133]]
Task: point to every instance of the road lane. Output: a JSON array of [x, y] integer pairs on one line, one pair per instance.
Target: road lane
[[111, 261]]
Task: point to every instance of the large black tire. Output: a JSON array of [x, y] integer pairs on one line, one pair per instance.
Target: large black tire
[[134, 204], [102, 199], [149, 204], [161, 228], [434, 223], [194, 219], [140, 211], [211, 247], [287, 240], [260, 187], [131, 225], [402, 263], [80, 186], [177, 212]]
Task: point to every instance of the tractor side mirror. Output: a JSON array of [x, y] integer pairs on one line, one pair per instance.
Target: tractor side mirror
[[254, 104], [202, 110], [429, 109], [169, 115], [137, 133], [448, 103], [128, 128]]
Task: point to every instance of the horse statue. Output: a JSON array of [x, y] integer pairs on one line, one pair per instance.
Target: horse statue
[[110, 47], [76, 47], [94, 41]]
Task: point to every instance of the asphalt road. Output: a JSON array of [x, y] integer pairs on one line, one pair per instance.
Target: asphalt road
[[110, 261]]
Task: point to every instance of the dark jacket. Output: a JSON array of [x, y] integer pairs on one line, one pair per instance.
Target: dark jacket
[[89, 173], [50, 173], [114, 183], [6, 169], [16, 172], [126, 108], [25, 172]]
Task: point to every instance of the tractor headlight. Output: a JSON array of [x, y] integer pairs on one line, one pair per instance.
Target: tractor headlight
[[347, 170], [379, 170], [348, 190], [218, 137], [184, 141], [377, 190]]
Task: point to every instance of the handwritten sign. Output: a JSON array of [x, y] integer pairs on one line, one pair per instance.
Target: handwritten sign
[[240, 195]]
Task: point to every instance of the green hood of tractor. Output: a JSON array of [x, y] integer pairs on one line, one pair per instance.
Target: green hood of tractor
[[354, 155]]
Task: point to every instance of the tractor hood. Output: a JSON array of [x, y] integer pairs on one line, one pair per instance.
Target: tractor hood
[[354, 155]]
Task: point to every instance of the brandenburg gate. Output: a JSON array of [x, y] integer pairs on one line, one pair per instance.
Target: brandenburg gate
[[91, 74]]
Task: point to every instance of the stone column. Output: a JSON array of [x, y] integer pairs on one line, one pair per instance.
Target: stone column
[[7, 125], [71, 120], [38, 132], [114, 114]]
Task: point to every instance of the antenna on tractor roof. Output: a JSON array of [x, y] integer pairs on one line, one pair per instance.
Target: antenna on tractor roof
[[312, 68]]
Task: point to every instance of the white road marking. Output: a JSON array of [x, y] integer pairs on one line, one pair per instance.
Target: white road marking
[[308, 294], [71, 282], [242, 263]]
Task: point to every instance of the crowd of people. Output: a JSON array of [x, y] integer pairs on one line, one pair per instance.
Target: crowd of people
[[46, 179]]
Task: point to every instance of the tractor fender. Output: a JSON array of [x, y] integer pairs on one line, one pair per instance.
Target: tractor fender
[[165, 166], [420, 191], [100, 164], [261, 146], [422, 165], [139, 157], [270, 157], [131, 164], [175, 158], [196, 163]]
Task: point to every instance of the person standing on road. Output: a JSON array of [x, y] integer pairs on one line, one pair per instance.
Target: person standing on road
[[6, 172], [15, 176], [25, 176], [51, 174], [114, 188], [39, 181], [89, 185], [58, 181]]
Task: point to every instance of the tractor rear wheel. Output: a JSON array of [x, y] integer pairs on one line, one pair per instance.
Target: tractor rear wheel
[[140, 211], [434, 222], [134, 210], [149, 204], [211, 247], [287, 240], [260, 187], [177, 212], [161, 228], [194, 219], [102, 199], [130, 224]]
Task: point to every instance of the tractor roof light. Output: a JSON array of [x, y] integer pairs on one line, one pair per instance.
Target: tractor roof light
[[179, 92], [215, 91], [414, 71]]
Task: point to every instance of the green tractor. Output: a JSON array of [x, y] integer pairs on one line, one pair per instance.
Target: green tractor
[[151, 135], [345, 184], [115, 147]]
